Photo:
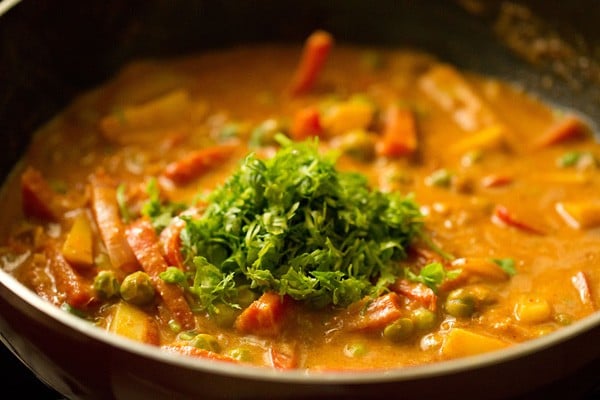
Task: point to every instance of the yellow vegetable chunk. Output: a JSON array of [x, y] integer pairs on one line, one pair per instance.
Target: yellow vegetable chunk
[[78, 246], [532, 309], [133, 323], [348, 116], [482, 267], [580, 214], [166, 111], [489, 138], [461, 342]]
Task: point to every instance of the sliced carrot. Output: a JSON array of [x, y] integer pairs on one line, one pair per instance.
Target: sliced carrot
[[284, 356], [416, 292], [569, 127], [197, 163], [504, 216], [170, 239], [399, 133], [306, 123], [315, 52], [192, 351], [77, 293], [377, 314], [144, 242], [111, 227], [496, 180], [264, 316], [38, 198]]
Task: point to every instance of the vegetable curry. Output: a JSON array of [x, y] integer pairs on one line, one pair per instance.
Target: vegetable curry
[[321, 208]]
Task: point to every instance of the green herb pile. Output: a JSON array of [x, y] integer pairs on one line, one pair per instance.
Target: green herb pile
[[296, 225]]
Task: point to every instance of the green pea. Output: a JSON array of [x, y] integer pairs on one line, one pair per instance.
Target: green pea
[[399, 330], [460, 303], [206, 342], [356, 349], [241, 354], [106, 284], [423, 319], [137, 288]]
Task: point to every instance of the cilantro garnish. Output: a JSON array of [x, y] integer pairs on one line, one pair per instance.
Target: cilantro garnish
[[507, 265], [159, 212], [296, 225], [432, 275]]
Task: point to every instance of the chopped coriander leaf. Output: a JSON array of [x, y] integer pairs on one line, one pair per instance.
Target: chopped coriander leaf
[[159, 212], [295, 225], [507, 265], [569, 159], [432, 275]]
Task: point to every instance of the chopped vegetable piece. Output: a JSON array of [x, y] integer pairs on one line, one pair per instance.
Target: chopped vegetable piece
[[69, 284], [377, 314], [131, 322], [580, 214], [38, 198], [496, 180], [484, 267], [532, 309], [568, 127], [78, 246], [461, 342], [423, 319], [206, 342], [144, 242], [502, 215], [399, 133], [264, 317], [314, 55], [419, 291], [489, 138], [432, 275], [284, 356], [306, 123], [110, 225], [198, 162], [134, 123], [507, 265], [343, 117]]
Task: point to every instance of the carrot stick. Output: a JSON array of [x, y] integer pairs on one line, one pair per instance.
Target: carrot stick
[[315, 52], [416, 292], [503, 215], [197, 163], [144, 242], [306, 123], [569, 127], [108, 219], [378, 313], [264, 316], [38, 198], [171, 242], [68, 282], [284, 356], [399, 133]]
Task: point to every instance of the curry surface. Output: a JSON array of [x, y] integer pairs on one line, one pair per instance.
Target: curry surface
[[557, 274]]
